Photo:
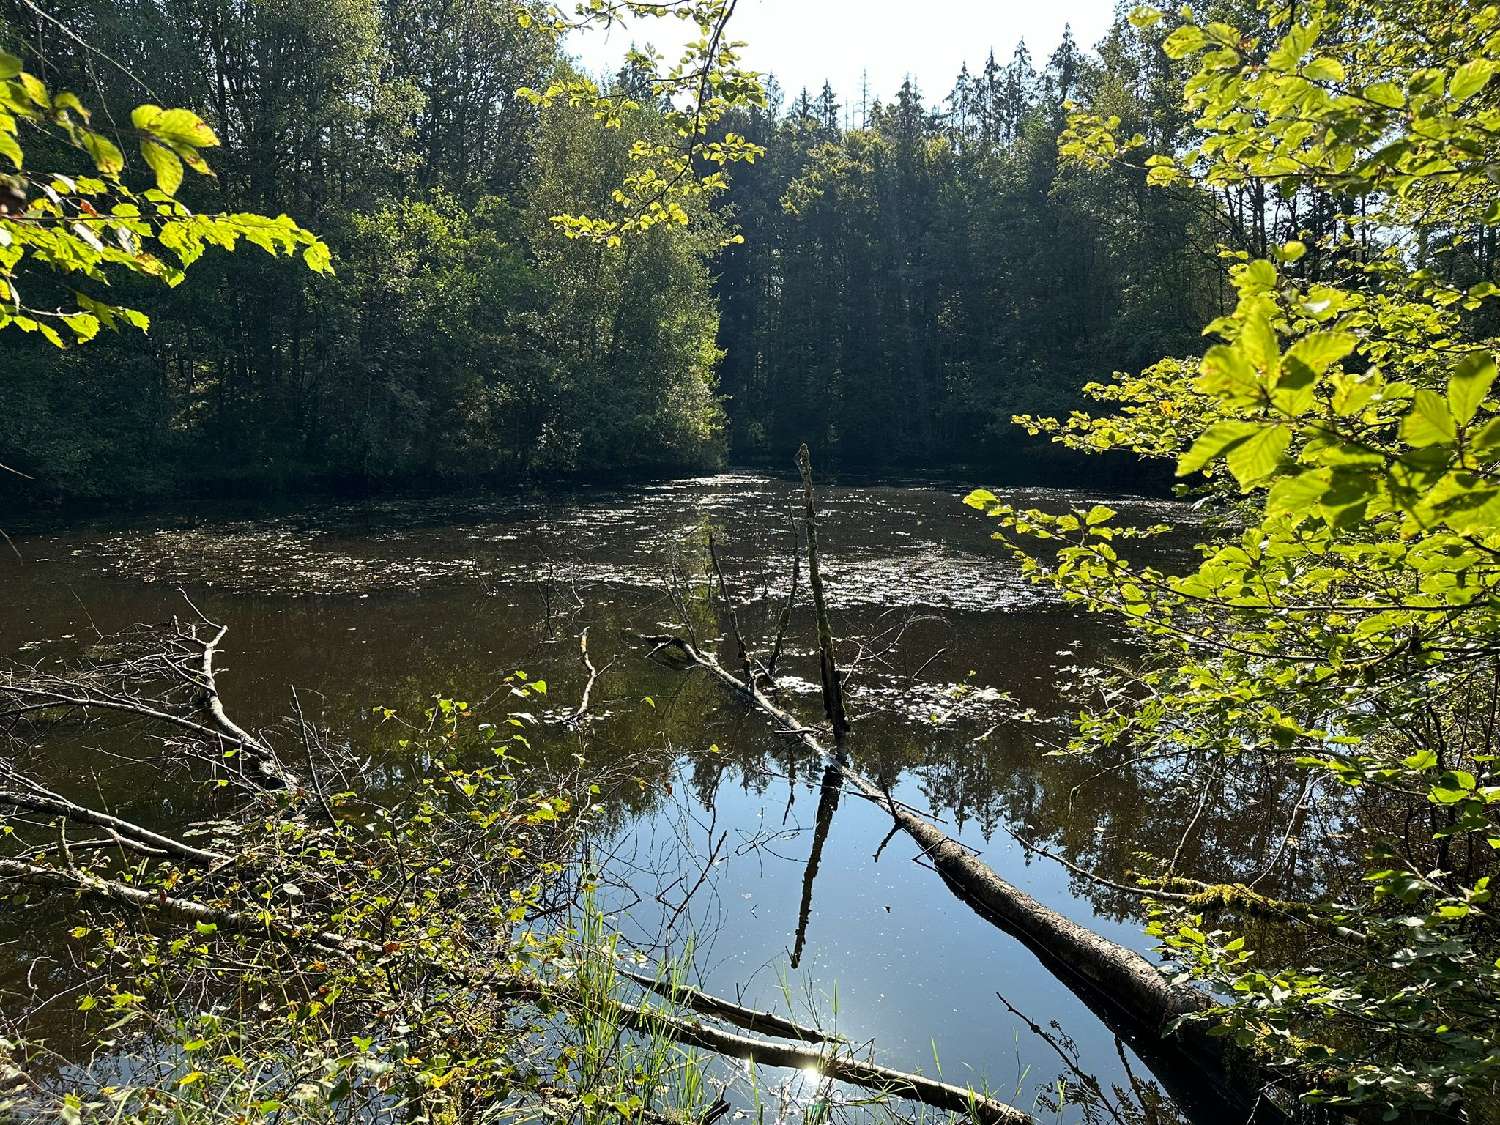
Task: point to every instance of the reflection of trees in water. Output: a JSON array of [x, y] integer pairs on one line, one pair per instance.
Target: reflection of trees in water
[[828, 804], [1098, 814]]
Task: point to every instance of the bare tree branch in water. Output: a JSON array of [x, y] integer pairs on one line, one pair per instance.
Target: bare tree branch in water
[[166, 675], [25, 793], [1102, 972]]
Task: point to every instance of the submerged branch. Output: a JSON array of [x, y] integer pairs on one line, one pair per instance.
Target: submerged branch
[[34, 798], [748, 1018], [646, 1020]]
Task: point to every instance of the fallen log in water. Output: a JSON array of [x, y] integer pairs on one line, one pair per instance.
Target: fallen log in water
[[1121, 986], [822, 1059], [872, 1076], [1132, 997]]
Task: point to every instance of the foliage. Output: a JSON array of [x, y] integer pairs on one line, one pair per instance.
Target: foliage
[[1345, 430], [364, 956], [464, 338], [69, 232], [923, 272], [672, 172]]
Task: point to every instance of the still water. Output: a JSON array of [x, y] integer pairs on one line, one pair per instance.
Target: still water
[[956, 694]]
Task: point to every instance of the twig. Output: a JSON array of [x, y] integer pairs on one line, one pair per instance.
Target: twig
[[588, 688], [312, 765], [728, 600]]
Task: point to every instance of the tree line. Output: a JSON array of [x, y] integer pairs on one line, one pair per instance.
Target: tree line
[[891, 282], [461, 336], [913, 275], [908, 277]]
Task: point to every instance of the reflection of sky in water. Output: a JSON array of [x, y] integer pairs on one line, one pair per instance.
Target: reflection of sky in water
[[913, 968], [392, 602]]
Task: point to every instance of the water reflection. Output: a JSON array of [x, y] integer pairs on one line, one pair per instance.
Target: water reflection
[[958, 669], [828, 804]]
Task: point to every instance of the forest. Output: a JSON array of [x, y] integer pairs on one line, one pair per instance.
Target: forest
[[924, 271], [534, 595]]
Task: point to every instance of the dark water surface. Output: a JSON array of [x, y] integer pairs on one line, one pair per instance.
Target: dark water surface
[[955, 696]]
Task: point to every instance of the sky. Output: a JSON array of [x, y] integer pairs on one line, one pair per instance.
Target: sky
[[803, 42]]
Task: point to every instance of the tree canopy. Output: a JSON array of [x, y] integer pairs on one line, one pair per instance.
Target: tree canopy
[[1344, 429]]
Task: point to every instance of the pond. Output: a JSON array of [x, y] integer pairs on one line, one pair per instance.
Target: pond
[[957, 664]]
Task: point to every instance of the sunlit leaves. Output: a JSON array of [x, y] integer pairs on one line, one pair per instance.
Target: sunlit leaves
[[668, 176], [165, 163], [1430, 421], [1214, 443], [1471, 77], [1321, 350], [1345, 433], [1256, 458], [1469, 385], [88, 228]]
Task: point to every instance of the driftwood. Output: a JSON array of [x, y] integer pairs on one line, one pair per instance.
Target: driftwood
[[1130, 994], [188, 653], [647, 1020], [728, 600]]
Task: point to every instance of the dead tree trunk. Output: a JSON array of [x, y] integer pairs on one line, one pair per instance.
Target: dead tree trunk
[[833, 686], [1130, 994]]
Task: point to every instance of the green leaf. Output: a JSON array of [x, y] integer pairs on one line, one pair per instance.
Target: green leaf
[[1386, 93], [107, 158], [318, 258], [1470, 78], [1227, 371], [183, 127], [1469, 384], [1298, 495], [1258, 341], [1455, 786], [1430, 422], [10, 66], [145, 116], [1184, 41], [1256, 458], [1214, 443], [165, 163], [1294, 393], [1321, 350], [1324, 69]]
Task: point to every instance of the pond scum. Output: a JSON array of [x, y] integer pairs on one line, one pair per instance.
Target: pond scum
[[328, 947]]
